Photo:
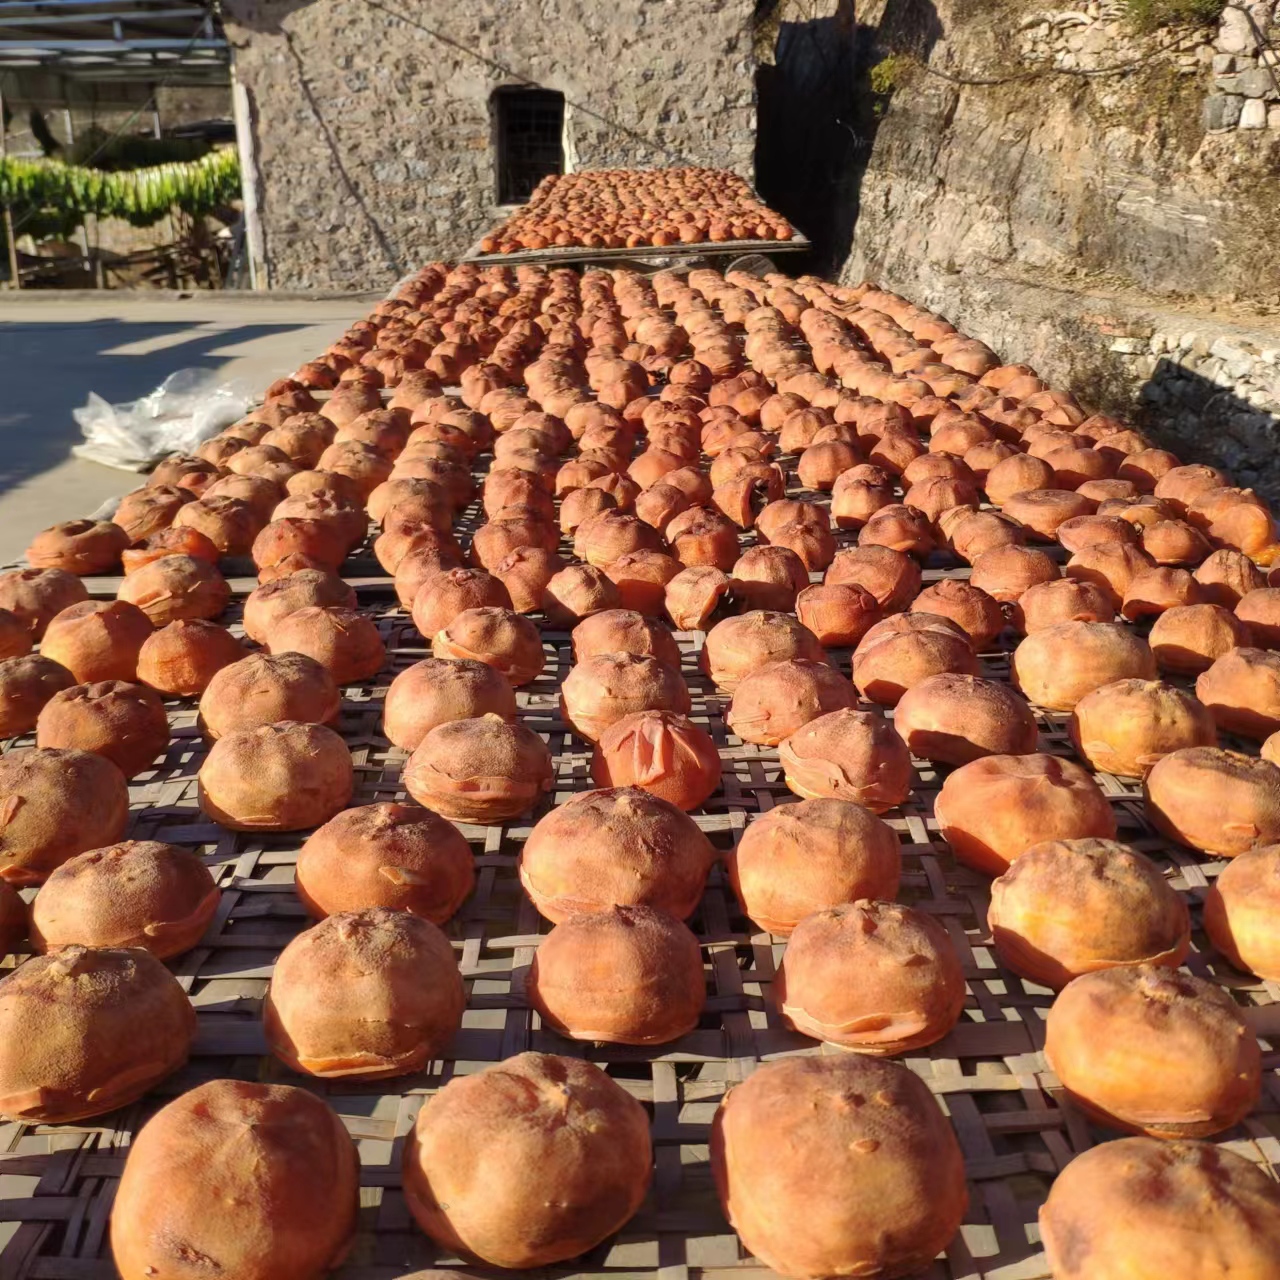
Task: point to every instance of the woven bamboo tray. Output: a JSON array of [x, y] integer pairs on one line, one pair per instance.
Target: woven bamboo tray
[[1015, 1129]]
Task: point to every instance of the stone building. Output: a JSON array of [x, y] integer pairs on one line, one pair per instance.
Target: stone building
[[382, 133]]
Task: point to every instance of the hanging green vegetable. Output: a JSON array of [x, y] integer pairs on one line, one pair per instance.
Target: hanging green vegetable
[[141, 196]]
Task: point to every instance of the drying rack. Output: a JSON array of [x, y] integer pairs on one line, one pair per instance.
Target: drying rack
[[670, 255], [1014, 1126]]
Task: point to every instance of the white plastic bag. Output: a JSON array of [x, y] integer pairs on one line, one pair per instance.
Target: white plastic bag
[[185, 409]]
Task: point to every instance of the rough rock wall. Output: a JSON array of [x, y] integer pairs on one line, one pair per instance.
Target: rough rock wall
[[1063, 171], [373, 128], [1085, 223]]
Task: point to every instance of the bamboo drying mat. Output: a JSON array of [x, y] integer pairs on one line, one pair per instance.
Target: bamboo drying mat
[[57, 1183]]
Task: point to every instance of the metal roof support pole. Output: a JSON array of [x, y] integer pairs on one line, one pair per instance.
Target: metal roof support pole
[[14, 276], [246, 144]]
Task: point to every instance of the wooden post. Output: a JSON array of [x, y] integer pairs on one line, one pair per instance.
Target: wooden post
[[255, 245], [16, 278]]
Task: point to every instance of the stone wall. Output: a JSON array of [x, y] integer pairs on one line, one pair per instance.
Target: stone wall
[[1212, 391], [991, 158], [1246, 68], [1241, 54], [1096, 35], [372, 122], [1206, 385]]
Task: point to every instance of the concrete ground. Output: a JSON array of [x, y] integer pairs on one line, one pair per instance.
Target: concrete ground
[[55, 350]]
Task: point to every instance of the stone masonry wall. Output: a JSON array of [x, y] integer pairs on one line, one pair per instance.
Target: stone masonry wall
[[1089, 36], [1241, 54], [1212, 390], [1246, 68], [373, 126], [992, 157]]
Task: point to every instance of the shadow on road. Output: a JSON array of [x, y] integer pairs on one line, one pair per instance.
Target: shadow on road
[[50, 368]]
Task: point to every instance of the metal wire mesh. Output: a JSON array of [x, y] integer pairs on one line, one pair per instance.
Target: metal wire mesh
[[530, 129]]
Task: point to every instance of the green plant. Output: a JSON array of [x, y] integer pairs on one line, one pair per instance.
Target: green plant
[[1151, 15], [890, 73], [140, 196]]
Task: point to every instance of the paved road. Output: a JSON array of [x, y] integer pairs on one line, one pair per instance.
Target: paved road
[[54, 351]]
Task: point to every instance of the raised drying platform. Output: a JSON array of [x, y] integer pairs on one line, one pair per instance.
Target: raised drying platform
[[1016, 1129], [651, 255]]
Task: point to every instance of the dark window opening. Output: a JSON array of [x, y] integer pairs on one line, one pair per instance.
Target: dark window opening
[[529, 125]]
